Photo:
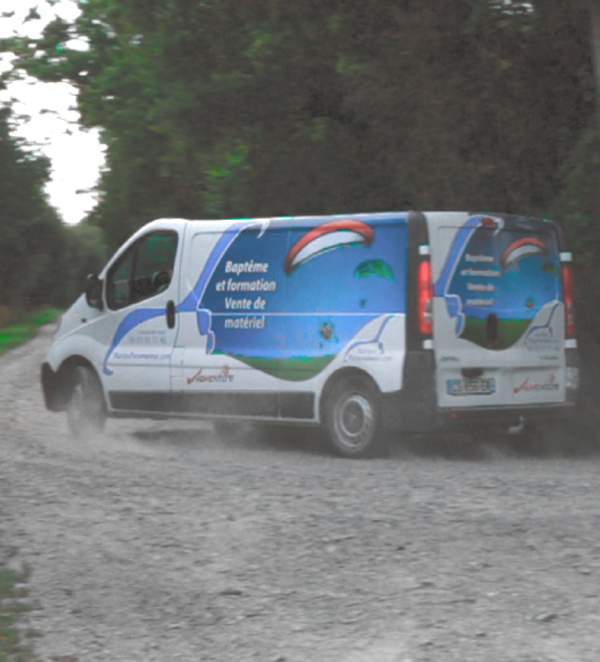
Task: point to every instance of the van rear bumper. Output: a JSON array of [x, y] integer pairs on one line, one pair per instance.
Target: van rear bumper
[[415, 407], [508, 416]]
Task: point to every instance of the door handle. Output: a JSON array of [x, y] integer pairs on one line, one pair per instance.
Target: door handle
[[170, 314]]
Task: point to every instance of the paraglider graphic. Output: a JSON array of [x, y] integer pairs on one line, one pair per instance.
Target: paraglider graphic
[[524, 247], [327, 237], [374, 268]]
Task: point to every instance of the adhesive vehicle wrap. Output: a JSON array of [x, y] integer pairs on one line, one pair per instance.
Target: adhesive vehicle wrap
[[499, 332], [499, 267], [288, 297]]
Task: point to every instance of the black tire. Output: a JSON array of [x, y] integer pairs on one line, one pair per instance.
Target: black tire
[[86, 409], [353, 420]]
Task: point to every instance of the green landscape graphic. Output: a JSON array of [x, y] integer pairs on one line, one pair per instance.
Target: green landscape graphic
[[509, 331], [292, 369]]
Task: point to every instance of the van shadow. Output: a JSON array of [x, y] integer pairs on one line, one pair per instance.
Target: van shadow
[[488, 443], [474, 446], [312, 442], [173, 437], [448, 446], [290, 439], [275, 438]]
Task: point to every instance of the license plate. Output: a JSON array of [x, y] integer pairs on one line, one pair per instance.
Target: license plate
[[475, 386]]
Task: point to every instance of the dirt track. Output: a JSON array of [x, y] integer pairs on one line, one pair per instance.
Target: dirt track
[[160, 542]]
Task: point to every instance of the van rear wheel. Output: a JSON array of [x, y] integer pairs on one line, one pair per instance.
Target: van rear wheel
[[86, 411], [352, 418]]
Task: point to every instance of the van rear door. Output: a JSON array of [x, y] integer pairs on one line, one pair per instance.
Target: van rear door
[[498, 311]]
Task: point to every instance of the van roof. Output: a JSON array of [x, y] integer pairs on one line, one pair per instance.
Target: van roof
[[434, 219]]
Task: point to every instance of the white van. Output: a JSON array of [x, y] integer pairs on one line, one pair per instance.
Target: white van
[[358, 323]]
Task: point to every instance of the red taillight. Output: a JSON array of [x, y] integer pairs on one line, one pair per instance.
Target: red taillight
[[567, 286], [424, 298]]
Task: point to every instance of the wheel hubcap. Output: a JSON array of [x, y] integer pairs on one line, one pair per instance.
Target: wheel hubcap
[[354, 420]]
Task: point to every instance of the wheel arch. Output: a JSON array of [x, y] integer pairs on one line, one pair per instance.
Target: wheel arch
[[57, 385]]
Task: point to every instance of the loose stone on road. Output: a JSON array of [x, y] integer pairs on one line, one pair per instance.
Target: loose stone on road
[[161, 542]]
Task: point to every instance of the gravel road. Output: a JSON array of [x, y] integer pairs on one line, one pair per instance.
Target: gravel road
[[161, 542]]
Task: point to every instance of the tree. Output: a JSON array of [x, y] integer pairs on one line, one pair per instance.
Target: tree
[[29, 227], [41, 261], [223, 108], [595, 36]]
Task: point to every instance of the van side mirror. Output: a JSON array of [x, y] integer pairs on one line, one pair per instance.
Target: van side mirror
[[93, 292]]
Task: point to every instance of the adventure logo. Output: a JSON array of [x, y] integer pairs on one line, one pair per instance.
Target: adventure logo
[[223, 376], [548, 384]]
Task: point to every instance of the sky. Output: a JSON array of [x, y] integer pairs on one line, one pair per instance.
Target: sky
[[52, 128]]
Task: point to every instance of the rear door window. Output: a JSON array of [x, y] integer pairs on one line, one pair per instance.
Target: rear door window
[[498, 281]]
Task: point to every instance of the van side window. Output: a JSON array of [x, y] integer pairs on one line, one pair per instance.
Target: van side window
[[143, 271]]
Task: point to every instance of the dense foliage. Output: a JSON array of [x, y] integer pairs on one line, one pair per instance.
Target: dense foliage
[[221, 108], [265, 107]]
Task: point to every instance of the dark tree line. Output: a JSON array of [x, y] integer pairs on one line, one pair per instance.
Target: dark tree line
[[263, 107], [41, 261]]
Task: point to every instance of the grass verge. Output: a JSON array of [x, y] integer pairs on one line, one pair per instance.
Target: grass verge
[[25, 329], [12, 606], [16, 329]]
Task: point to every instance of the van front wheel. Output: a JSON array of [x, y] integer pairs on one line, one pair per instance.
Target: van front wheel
[[352, 418], [86, 412]]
